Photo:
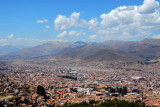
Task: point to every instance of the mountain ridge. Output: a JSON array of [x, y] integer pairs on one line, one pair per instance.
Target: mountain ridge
[[115, 49]]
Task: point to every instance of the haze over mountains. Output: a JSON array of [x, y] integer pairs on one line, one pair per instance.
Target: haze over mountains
[[7, 49], [108, 50]]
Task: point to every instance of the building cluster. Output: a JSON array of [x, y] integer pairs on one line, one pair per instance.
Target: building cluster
[[64, 86]]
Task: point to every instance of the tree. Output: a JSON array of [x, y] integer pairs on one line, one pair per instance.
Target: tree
[[124, 91], [73, 90], [41, 91]]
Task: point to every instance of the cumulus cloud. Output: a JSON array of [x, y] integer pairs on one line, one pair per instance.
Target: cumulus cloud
[[63, 22], [74, 21], [42, 21], [72, 33], [63, 34], [124, 22], [11, 36], [132, 15], [93, 24], [149, 6], [131, 22], [93, 37]]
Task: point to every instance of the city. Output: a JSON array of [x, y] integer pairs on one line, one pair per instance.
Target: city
[[64, 86]]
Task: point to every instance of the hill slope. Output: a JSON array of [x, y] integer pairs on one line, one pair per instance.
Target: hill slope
[[147, 48], [42, 50], [109, 50], [98, 53]]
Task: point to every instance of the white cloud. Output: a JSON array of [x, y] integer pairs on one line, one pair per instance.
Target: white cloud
[[156, 37], [131, 22], [149, 6], [42, 21], [3, 40], [93, 24], [11, 36], [24, 41], [62, 22], [93, 37], [124, 22], [72, 33], [63, 34], [120, 16]]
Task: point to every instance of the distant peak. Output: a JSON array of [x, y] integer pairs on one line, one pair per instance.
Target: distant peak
[[80, 42], [150, 39]]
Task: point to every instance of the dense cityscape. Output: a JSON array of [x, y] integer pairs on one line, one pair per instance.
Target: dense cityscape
[[46, 85]]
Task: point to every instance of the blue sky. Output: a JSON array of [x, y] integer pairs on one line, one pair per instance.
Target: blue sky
[[33, 22]]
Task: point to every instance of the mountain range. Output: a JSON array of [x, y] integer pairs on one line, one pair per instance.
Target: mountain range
[[7, 49], [112, 50]]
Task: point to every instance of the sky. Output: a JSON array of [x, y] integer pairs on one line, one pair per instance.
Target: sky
[[34, 22]]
